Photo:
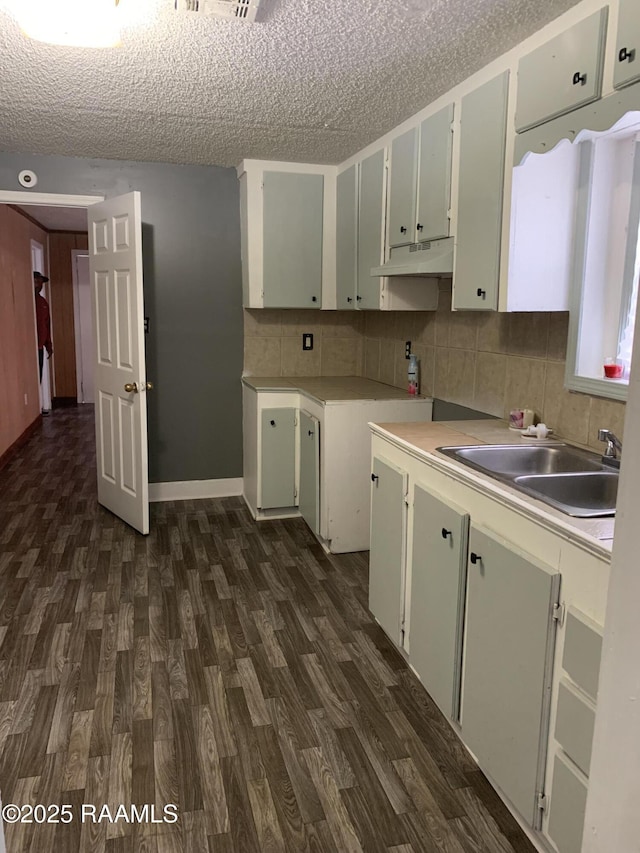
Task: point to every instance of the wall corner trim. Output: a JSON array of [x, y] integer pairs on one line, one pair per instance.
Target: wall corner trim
[[187, 490]]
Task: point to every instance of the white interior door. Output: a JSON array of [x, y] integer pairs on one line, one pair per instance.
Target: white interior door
[[82, 313], [115, 266]]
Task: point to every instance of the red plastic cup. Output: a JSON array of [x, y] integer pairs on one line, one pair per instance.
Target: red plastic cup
[[613, 371]]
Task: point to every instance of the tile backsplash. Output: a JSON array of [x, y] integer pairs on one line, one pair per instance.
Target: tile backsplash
[[273, 342], [488, 361]]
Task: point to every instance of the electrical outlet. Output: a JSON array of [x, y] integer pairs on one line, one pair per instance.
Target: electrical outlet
[[407, 349], [307, 341]]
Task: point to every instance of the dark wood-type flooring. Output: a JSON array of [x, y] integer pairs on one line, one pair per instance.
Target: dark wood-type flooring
[[229, 667]]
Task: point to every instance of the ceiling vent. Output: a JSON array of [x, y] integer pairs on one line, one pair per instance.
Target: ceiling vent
[[244, 10]]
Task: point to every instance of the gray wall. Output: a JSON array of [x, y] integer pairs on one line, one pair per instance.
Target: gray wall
[[193, 297]]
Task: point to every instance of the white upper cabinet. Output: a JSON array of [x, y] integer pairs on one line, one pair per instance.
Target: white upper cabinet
[[476, 269], [420, 181], [292, 245], [370, 228], [434, 176], [562, 74], [402, 189], [287, 217], [627, 59], [347, 238]]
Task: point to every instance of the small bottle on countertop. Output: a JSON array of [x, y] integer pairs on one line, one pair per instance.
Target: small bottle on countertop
[[413, 375]]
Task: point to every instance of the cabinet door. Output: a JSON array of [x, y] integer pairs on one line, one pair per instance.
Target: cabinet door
[[292, 240], [508, 649], [627, 58], [277, 458], [483, 124], [402, 189], [434, 181], [562, 74], [370, 224], [346, 238], [386, 557], [438, 573], [309, 493]]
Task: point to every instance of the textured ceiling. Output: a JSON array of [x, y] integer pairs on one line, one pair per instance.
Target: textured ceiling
[[309, 81]]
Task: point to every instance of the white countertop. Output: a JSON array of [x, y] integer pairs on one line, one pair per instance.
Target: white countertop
[[330, 388], [421, 439]]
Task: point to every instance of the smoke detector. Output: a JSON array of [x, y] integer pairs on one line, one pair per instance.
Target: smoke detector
[[244, 10]]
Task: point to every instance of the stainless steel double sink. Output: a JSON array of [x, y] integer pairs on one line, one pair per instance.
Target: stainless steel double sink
[[572, 480]]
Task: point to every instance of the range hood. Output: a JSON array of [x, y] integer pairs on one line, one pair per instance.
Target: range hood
[[434, 258]]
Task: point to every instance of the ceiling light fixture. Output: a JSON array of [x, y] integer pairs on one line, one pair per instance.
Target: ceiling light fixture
[[242, 10], [78, 23]]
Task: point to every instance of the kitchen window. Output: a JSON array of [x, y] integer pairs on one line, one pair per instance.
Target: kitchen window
[[605, 259]]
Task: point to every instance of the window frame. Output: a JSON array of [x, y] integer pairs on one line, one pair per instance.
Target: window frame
[[580, 326]]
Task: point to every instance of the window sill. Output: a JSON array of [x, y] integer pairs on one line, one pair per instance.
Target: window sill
[[613, 389]]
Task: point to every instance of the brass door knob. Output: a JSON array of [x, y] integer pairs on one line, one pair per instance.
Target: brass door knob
[[148, 386], [131, 386]]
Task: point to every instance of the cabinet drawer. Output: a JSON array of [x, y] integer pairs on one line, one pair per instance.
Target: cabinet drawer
[[582, 650], [568, 803], [575, 720], [562, 74]]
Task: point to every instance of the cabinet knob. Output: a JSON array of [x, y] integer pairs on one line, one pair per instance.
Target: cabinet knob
[[420, 227], [480, 292], [359, 298], [349, 299], [626, 55], [579, 78], [403, 230], [314, 298], [273, 423], [310, 432], [475, 558], [374, 478], [445, 533]]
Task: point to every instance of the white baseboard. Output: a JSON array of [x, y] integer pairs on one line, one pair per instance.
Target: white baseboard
[[189, 490]]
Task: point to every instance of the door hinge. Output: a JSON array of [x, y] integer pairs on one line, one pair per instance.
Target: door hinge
[[295, 493], [542, 802], [295, 420], [557, 613]]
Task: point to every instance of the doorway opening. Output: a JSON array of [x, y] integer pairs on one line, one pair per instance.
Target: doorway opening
[[58, 227], [83, 325]]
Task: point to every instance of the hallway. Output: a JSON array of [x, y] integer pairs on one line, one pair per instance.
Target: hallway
[[229, 668]]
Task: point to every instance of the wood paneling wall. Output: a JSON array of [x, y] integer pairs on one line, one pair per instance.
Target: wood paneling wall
[[60, 272], [18, 347]]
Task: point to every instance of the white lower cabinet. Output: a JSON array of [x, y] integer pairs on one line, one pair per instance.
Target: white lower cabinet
[[309, 492], [278, 471], [388, 536], [508, 654], [438, 577], [311, 458], [479, 616]]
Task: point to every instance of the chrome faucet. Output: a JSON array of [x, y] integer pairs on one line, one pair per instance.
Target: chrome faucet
[[613, 448]]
